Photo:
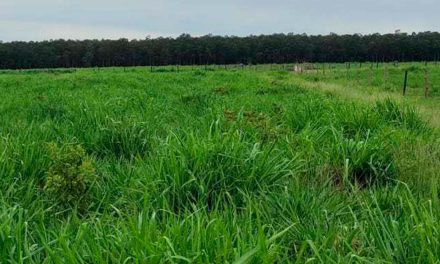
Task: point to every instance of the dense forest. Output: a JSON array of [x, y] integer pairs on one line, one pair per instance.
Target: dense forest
[[186, 50]]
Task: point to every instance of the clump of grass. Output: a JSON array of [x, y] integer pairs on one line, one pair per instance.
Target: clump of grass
[[121, 139], [257, 125], [255, 118], [216, 169], [221, 90], [353, 120], [308, 111], [164, 70], [275, 89], [197, 102], [230, 115], [413, 68], [70, 174], [312, 78], [48, 108], [199, 73], [363, 161], [405, 116]]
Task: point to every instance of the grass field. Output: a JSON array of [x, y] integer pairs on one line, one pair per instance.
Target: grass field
[[211, 165]]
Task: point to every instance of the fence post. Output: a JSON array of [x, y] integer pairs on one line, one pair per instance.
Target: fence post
[[405, 82], [426, 83], [385, 75]]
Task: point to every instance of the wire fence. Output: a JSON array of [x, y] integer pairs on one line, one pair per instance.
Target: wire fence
[[423, 78]]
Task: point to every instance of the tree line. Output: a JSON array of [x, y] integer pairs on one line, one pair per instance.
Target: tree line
[[209, 49]]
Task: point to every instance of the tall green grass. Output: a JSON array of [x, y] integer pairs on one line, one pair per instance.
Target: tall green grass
[[217, 166]]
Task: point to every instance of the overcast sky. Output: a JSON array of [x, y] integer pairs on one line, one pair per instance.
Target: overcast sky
[[90, 19]]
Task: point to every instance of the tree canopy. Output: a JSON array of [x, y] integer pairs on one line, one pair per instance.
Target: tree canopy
[[209, 49]]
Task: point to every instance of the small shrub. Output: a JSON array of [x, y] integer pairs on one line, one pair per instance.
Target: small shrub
[[69, 174]]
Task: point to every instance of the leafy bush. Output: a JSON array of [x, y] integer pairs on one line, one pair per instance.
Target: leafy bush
[[69, 174]]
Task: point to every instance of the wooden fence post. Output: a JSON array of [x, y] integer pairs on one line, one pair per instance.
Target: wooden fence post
[[426, 83], [386, 75], [405, 82]]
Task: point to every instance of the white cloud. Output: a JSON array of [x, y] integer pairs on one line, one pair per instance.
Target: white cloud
[[41, 31], [78, 19]]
